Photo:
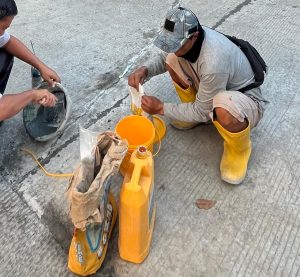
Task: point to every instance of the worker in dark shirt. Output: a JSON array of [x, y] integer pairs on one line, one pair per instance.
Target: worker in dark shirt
[[11, 47]]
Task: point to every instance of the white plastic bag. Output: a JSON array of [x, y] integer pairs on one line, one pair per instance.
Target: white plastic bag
[[136, 98], [88, 141]]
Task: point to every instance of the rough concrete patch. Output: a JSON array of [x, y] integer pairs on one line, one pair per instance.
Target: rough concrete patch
[[32, 202], [62, 231], [108, 79], [150, 34], [176, 2]]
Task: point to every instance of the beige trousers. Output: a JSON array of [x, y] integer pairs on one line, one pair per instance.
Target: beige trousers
[[238, 104]]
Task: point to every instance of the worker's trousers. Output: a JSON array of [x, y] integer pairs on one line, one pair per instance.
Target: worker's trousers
[[6, 64]]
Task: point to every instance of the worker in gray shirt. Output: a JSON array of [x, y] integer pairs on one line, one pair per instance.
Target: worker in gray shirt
[[207, 70]]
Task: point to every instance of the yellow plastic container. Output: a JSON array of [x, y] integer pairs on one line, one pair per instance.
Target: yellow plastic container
[[135, 110], [187, 95], [137, 207], [139, 130]]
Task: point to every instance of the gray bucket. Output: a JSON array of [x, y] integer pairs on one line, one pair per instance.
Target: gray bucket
[[45, 123]]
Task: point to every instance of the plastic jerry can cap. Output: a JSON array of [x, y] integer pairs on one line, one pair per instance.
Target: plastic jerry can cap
[[142, 152]]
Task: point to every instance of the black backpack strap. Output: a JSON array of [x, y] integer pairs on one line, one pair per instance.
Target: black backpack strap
[[257, 63]]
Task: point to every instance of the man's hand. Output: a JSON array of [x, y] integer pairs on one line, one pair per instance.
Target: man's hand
[[11, 104], [44, 97], [152, 105], [19, 50], [49, 75], [138, 77]]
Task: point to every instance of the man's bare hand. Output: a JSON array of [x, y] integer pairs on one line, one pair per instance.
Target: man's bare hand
[[49, 75], [138, 77], [44, 97], [19, 50], [152, 105]]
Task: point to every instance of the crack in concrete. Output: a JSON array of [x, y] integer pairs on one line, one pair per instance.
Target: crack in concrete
[[135, 58], [106, 112], [108, 79], [70, 140], [232, 12]]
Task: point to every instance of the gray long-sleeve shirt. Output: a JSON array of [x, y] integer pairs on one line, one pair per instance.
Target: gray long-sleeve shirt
[[220, 66]]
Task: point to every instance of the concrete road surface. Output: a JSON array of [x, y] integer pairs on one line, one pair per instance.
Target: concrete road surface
[[253, 230]]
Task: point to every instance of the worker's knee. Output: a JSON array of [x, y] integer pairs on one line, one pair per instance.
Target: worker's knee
[[224, 117], [224, 109]]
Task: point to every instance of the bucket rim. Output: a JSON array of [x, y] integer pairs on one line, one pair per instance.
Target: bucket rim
[[149, 142]]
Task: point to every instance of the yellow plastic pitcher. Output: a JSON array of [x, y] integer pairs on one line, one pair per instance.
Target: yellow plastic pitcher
[[137, 207]]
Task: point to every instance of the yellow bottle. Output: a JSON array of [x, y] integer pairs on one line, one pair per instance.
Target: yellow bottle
[[137, 207]]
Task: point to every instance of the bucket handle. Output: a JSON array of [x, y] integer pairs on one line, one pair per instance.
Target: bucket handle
[[159, 139], [159, 144]]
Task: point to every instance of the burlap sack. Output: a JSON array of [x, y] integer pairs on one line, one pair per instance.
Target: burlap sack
[[90, 185]]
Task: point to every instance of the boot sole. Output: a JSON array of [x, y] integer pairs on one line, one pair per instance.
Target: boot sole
[[233, 182]]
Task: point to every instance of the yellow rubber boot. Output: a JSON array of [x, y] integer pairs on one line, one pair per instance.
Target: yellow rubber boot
[[187, 95], [237, 151]]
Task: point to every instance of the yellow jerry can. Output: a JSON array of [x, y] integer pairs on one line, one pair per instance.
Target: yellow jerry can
[[137, 207]]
